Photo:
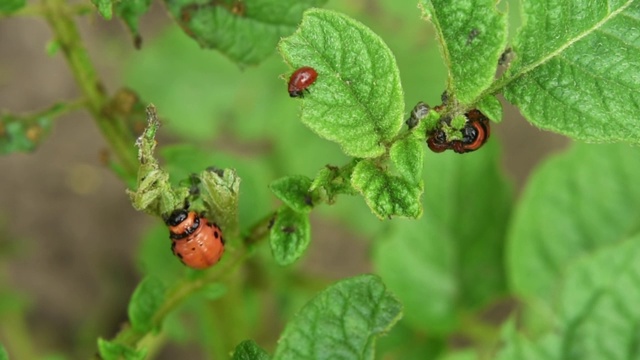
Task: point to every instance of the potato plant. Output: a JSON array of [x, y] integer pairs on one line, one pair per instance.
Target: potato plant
[[204, 119]]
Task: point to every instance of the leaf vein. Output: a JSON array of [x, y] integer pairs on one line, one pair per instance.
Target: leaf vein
[[560, 100], [311, 43], [628, 15], [577, 38], [597, 77], [617, 37]]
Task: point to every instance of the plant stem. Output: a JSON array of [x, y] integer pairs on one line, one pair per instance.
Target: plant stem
[[55, 110], [14, 330], [260, 230], [131, 338], [120, 139]]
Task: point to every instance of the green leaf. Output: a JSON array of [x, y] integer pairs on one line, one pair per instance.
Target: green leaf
[[386, 195], [22, 134], [113, 351], [11, 6], [471, 197], [403, 342], [426, 124], [473, 35], [490, 106], [453, 255], [105, 8], [295, 192], [575, 67], [220, 193], [145, 301], [245, 31], [574, 204], [600, 301], [598, 315], [357, 99], [249, 350], [182, 161], [130, 11], [333, 180], [154, 194], [408, 157], [416, 259], [519, 347], [289, 235], [342, 322]]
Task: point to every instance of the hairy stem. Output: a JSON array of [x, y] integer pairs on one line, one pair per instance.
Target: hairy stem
[[260, 230], [56, 110], [185, 288], [121, 140], [175, 296]]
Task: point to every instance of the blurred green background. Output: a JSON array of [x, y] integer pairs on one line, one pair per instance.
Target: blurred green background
[[72, 249]]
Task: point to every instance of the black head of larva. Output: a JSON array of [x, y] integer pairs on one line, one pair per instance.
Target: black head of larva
[[469, 134], [177, 217]]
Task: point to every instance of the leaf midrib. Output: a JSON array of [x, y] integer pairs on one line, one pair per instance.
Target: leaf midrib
[[504, 82], [363, 105]]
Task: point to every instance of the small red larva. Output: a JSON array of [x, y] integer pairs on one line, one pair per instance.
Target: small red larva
[[437, 141], [300, 80], [476, 132], [197, 242]]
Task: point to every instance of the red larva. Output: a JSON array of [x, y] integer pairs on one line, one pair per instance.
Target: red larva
[[474, 134], [437, 142], [300, 80], [196, 241]]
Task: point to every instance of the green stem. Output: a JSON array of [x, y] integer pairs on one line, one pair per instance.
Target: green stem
[[225, 320], [14, 330], [121, 141], [153, 343], [260, 230], [497, 86], [131, 338], [217, 346], [55, 110]]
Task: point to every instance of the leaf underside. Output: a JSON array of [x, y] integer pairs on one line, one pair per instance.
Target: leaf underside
[[245, 31]]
